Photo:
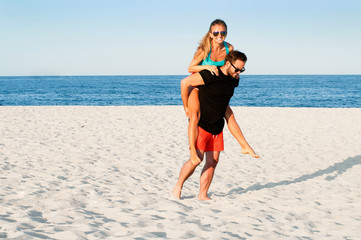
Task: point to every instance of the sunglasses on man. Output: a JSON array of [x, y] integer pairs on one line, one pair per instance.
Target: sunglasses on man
[[237, 69]]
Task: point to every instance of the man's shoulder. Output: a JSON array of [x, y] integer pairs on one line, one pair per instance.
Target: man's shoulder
[[205, 72], [207, 76]]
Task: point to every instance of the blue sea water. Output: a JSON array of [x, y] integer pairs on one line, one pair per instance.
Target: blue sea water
[[329, 91]]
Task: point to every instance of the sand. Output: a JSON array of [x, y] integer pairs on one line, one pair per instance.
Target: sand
[[107, 173]]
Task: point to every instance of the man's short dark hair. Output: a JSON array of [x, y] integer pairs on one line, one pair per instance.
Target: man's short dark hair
[[235, 55]]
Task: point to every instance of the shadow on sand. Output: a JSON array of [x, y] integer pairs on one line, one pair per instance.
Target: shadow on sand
[[337, 168]]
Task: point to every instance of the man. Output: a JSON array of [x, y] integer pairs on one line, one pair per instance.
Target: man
[[215, 93]]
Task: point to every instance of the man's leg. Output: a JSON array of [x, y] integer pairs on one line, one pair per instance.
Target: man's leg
[[186, 171], [207, 174]]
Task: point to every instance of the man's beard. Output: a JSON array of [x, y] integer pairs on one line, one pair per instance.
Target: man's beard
[[231, 74]]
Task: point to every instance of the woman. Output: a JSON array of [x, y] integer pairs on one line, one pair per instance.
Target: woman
[[210, 54], [212, 49]]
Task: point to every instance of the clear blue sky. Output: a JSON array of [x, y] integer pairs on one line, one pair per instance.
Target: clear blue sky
[[141, 37]]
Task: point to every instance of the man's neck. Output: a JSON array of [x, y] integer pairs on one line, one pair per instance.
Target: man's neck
[[224, 70]]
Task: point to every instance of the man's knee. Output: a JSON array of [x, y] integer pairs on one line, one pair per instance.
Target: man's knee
[[213, 158], [214, 162]]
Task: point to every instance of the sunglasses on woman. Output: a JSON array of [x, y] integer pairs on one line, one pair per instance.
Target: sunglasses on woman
[[223, 33], [237, 69]]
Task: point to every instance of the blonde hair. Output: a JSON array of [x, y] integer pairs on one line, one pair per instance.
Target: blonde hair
[[205, 44]]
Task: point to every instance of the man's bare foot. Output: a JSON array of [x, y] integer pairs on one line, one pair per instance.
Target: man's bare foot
[[195, 159], [249, 150], [176, 192], [204, 198]]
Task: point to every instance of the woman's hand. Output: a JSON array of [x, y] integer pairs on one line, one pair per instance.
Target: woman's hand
[[187, 112], [212, 69]]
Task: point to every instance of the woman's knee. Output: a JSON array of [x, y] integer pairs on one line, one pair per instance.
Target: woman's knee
[[194, 116]]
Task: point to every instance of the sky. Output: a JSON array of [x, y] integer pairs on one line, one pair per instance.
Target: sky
[[159, 37]]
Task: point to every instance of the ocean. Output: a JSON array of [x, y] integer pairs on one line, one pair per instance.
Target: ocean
[[326, 91]]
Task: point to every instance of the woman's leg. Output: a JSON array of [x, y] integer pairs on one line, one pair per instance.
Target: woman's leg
[[194, 112], [237, 133]]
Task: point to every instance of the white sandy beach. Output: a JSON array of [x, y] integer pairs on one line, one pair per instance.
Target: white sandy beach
[[108, 172]]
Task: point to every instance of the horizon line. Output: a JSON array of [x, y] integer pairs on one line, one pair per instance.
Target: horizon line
[[114, 75]]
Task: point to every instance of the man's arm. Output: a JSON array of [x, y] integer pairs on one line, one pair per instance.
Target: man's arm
[[192, 80], [237, 133]]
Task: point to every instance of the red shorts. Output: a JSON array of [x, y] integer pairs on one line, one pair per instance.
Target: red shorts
[[208, 142]]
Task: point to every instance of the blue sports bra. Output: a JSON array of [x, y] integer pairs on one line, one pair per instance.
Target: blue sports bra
[[208, 60]]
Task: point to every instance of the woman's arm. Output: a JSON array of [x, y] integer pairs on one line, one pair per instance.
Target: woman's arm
[[194, 67]]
